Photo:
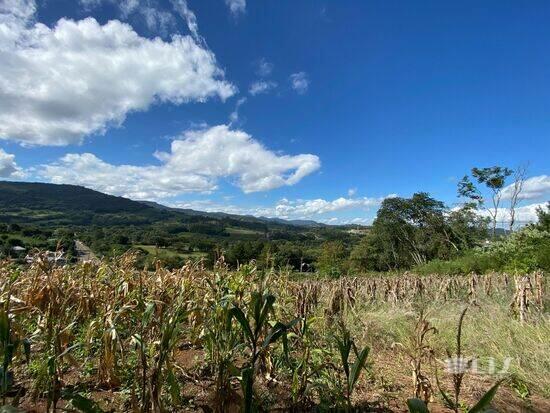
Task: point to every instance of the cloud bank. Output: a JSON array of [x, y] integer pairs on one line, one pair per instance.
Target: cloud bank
[[297, 209], [77, 78], [195, 163], [533, 188]]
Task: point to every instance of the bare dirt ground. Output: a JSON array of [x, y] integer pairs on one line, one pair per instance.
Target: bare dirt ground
[[387, 391]]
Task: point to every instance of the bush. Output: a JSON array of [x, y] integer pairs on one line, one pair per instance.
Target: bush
[[472, 261], [523, 251]]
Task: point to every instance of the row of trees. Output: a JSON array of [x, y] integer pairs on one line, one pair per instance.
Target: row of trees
[[410, 232]]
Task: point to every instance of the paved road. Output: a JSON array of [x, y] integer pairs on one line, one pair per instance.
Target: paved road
[[84, 253]]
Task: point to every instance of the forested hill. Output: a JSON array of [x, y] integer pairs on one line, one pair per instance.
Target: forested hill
[[38, 215], [40, 196], [51, 204]]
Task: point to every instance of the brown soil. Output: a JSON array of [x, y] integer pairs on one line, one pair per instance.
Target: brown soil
[[386, 391]]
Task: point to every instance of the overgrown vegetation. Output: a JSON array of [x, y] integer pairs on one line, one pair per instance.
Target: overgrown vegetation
[[113, 336], [522, 251], [187, 310]]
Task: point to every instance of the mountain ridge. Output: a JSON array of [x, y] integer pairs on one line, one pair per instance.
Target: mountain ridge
[[39, 196], [296, 222]]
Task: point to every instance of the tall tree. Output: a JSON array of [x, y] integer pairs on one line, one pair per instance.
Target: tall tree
[[467, 189], [494, 179], [466, 228], [412, 229]]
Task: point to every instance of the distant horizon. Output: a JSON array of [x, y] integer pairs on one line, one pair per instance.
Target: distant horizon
[[308, 110]]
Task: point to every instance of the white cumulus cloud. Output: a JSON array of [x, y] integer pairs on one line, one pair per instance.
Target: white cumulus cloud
[[62, 83], [195, 163], [524, 214], [292, 209], [533, 188], [8, 167], [311, 208], [17, 9], [299, 82]]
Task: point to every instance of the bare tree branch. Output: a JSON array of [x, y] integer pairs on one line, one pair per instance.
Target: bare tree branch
[[519, 179]]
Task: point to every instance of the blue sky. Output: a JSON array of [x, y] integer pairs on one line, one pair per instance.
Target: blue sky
[[297, 109]]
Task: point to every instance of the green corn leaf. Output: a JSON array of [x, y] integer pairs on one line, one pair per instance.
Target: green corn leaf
[[9, 351], [256, 305], [285, 347], [268, 302], [344, 348], [274, 334], [148, 313], [241, 318], [484, 402], [174, 386], [358, 367], [417, 406]]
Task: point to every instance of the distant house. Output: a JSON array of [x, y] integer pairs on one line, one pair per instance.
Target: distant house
[[55, 257]]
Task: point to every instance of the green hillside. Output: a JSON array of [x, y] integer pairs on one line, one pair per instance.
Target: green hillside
[[39, 215]]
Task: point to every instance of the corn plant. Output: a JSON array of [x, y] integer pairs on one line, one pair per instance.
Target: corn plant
[[345, 345], [163, 369], [155, 367], [419, 352], [458, 376], [10, 342], [307, 364], [220, 336], [459, 369], [254, 324]]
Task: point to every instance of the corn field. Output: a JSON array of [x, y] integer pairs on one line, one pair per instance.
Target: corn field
[[109, 337]]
